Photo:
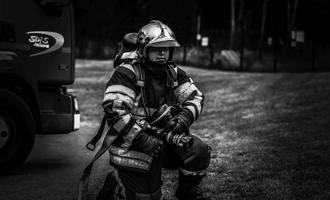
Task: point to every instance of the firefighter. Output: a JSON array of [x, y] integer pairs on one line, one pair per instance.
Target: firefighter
[[134, 92]]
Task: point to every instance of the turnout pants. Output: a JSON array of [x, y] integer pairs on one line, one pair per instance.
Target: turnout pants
[[192, 163]]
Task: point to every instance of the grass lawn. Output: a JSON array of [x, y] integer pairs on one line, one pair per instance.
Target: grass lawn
[[269, 133]]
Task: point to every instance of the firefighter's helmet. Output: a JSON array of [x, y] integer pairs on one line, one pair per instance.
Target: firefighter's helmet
[[155, 34]]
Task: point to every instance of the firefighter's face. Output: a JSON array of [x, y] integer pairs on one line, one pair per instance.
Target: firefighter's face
[[158, 54]]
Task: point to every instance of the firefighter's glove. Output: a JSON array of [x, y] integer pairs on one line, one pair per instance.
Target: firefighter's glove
[[180, 123], [148, 144]]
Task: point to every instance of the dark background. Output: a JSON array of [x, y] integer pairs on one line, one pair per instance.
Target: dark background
[[100, 24]]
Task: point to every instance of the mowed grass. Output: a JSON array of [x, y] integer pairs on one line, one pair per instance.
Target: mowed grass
[[269, 133]]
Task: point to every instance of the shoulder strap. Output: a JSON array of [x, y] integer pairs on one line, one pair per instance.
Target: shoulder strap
[[172, 81], [140, 80], [140, 74]]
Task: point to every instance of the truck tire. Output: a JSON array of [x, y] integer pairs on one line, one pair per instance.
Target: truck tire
[[17, 131]]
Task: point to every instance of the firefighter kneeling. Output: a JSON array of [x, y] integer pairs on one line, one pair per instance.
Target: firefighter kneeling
[[150, 104]]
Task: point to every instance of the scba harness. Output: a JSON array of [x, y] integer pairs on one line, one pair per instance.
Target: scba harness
[[171, 80]]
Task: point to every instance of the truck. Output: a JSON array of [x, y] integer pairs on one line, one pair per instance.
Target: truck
[[37, 64]]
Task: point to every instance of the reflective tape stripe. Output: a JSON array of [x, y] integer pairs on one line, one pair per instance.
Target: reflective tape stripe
[[183, 94], [122, 122], [197, 103], [180, 92], [130, 154], [193, 111], [199, 97], [120, 89], [120, 111], [130, 163], [193, 173], [185, 90], [118, 104], [117, 101], [111, 96]]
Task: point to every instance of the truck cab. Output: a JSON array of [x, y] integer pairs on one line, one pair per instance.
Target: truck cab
[[37, 63]]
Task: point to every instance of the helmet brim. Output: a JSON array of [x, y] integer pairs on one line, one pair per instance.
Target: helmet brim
[[166, 43]]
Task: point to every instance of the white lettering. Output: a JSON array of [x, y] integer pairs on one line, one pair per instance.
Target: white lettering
[[41, 45], [40, 42]]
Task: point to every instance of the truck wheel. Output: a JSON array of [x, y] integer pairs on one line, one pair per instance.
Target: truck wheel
[[17, 129]]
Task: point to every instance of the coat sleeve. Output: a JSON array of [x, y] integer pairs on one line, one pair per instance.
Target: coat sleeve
[[120, 97], [188, 95]]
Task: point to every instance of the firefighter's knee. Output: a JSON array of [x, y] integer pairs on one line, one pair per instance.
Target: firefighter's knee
[[198, 156]]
